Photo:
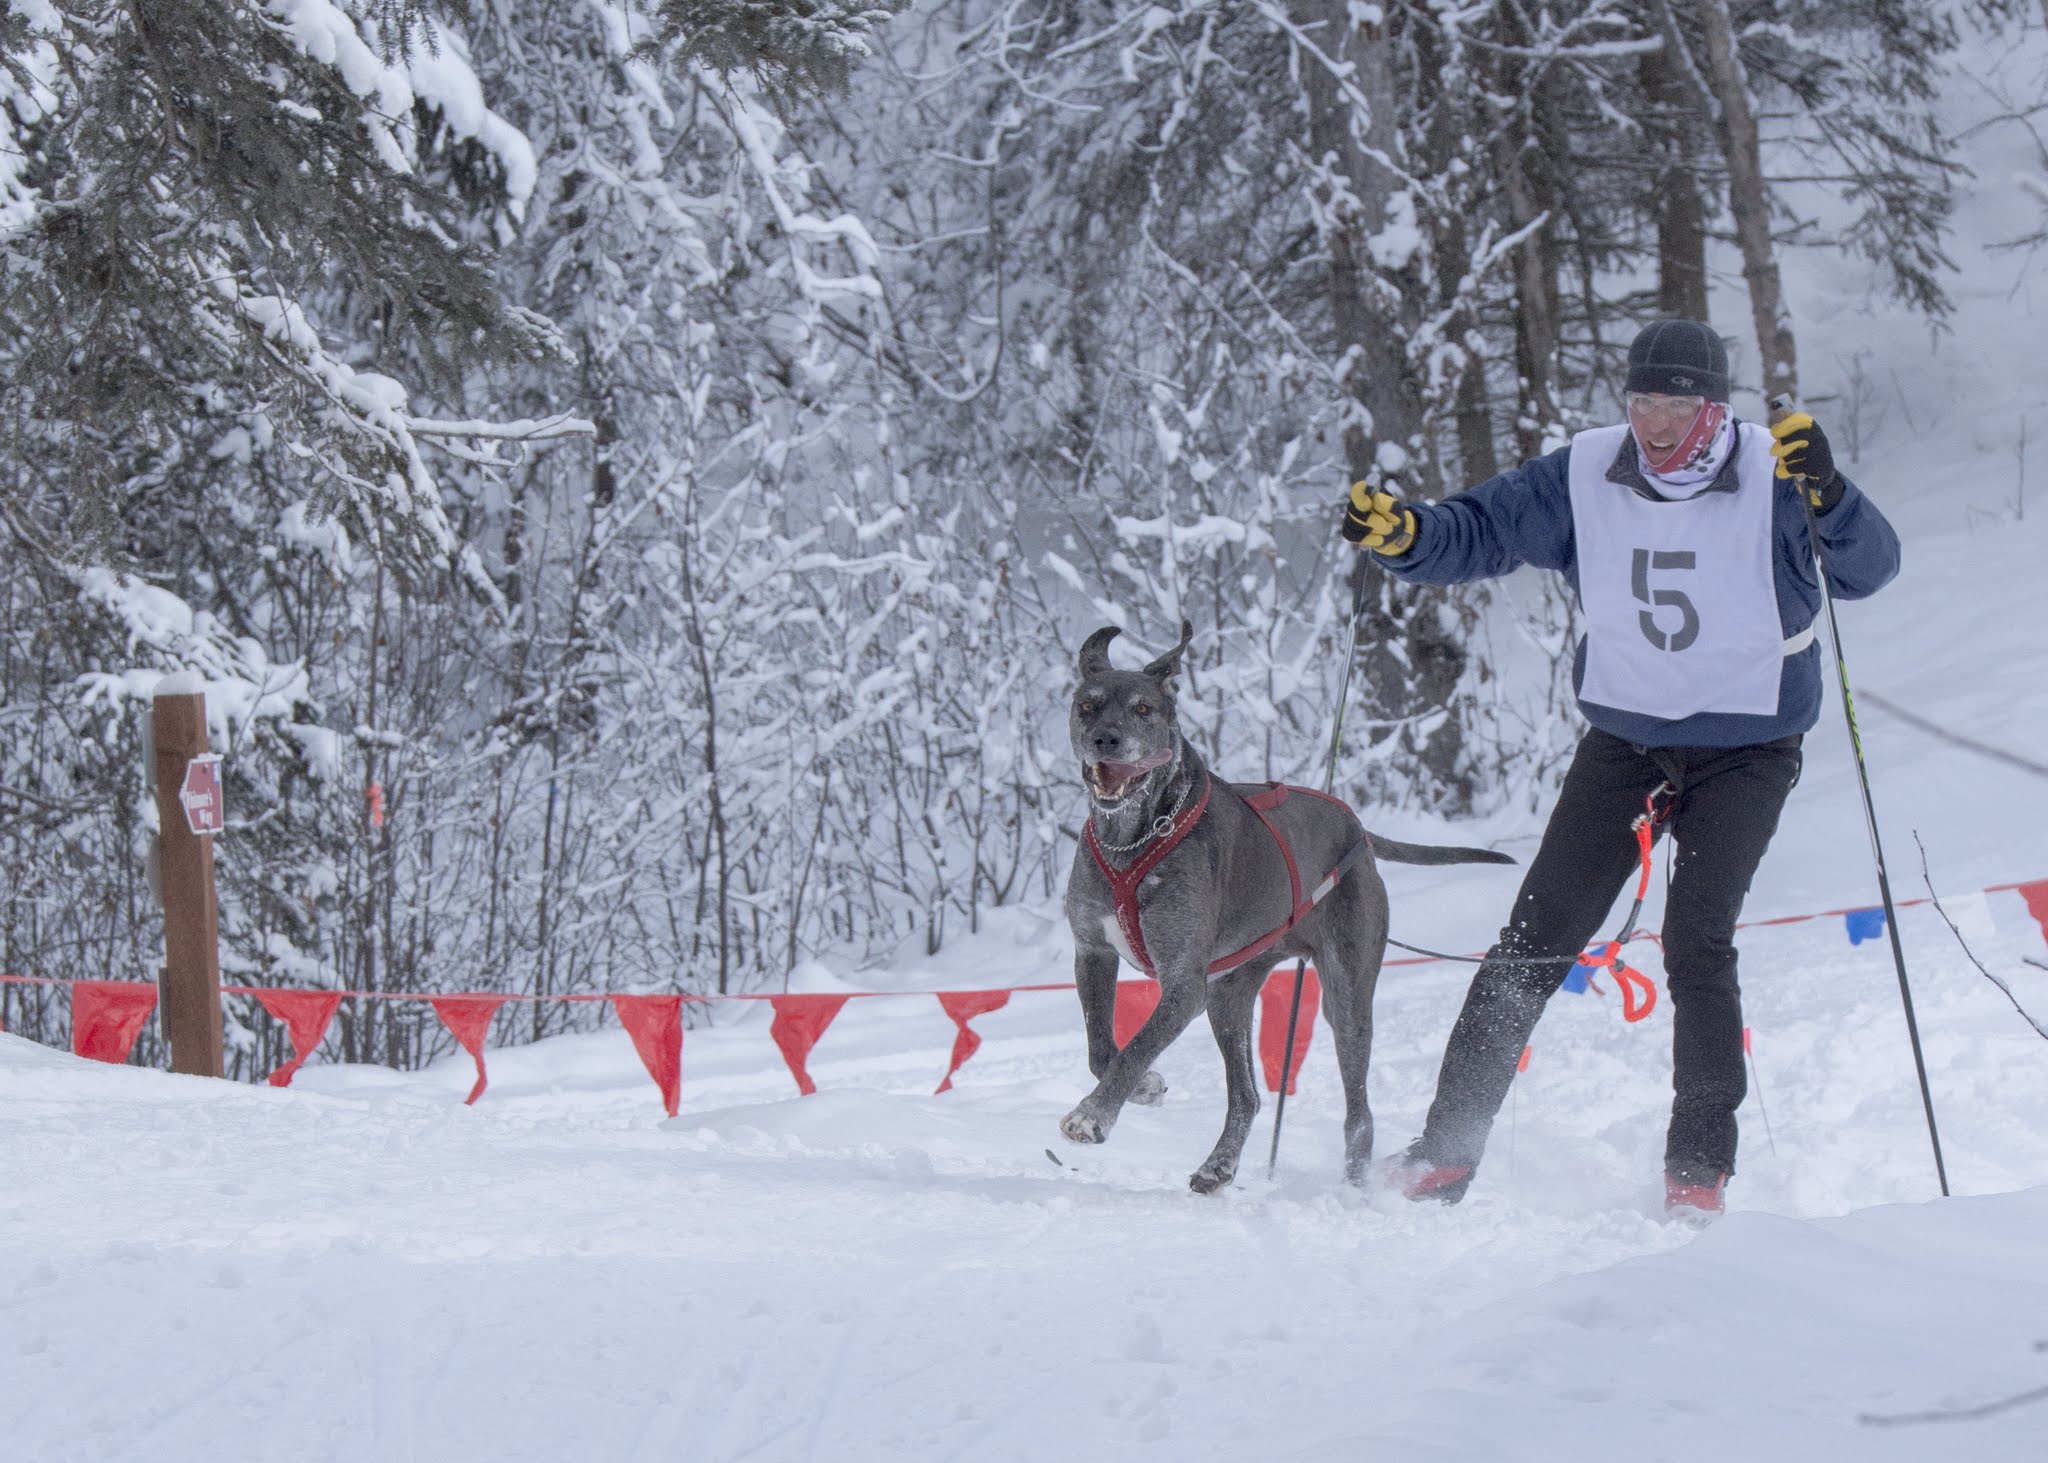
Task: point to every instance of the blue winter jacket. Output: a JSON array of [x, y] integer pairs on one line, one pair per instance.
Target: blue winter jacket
[[1524, 516]]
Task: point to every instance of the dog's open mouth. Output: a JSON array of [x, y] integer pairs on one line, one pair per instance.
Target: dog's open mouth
[[1111, 782]]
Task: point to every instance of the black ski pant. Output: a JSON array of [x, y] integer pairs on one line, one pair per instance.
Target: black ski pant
[[1723, 812]]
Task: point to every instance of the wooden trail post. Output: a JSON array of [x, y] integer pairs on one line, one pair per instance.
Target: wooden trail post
[[189, 810]]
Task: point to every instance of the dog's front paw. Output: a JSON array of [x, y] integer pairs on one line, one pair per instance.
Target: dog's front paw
[[1083, 1126], [1150, 1091], [1207, 1180]]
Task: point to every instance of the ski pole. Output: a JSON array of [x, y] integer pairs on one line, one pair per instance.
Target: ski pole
[[1782, 407], [1329, 785], [1756, 1080]]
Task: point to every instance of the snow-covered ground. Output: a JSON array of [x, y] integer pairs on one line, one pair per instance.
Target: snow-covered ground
[[361, 1268]]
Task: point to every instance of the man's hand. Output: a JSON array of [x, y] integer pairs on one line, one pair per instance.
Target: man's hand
[[1803, 453], [1379, 521]]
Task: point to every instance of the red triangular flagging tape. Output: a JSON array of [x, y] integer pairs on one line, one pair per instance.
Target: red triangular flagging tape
[[656, 1025], [305, 1015], [1747, 1049], [1275, 997], [468, 1018], [1523, 1064], [107, 1016], [799, 1022], [963, 1007], [2036, 895], [1136, 1000]]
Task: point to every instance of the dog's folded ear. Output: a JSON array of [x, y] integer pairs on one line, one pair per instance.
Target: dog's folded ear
[[1169, 663], [1095, 651]]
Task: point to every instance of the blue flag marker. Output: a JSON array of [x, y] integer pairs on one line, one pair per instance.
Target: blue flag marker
[[1864, 924], [1576, 978]]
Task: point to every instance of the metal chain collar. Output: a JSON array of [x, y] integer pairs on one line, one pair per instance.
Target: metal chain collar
[[1161, 825]]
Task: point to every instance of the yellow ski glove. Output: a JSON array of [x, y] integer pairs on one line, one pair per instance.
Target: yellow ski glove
[[1802, 451], [1378, 520]]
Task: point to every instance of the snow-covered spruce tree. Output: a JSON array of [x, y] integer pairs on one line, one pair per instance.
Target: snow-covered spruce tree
[[228, 214], [185, 185], [191, 175]]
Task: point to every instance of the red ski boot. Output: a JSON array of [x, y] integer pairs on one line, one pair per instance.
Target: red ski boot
[[1693, 1203], [1422, 1180]]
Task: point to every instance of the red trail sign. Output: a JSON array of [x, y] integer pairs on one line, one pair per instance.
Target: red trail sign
[[201, 795]]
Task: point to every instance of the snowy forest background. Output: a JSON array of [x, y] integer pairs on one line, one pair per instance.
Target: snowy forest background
[[633, 476]]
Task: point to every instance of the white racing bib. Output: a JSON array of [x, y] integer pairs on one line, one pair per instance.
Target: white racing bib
[[1680, 599]]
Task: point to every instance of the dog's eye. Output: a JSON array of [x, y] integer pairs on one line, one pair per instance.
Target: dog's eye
[[1086, 708], [1143, 708]]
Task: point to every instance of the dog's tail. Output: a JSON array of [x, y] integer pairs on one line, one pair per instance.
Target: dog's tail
[[1394, 851]]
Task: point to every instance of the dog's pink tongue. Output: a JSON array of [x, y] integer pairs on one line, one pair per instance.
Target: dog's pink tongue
[[1122, 773]]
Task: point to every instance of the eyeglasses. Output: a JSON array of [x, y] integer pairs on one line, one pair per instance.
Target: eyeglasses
[[1659, 407]]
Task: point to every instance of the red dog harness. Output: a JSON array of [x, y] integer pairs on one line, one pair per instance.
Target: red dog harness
[[1123, 883]]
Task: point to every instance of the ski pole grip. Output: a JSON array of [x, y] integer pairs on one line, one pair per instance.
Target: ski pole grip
[[1782, 406]]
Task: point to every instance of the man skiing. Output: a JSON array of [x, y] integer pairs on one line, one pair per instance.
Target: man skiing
[[1687, 544]]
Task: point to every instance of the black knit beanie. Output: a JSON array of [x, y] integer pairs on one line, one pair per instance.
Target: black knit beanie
[[1679, 358]]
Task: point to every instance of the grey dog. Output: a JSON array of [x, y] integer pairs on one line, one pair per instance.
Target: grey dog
[[1223, 890]]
